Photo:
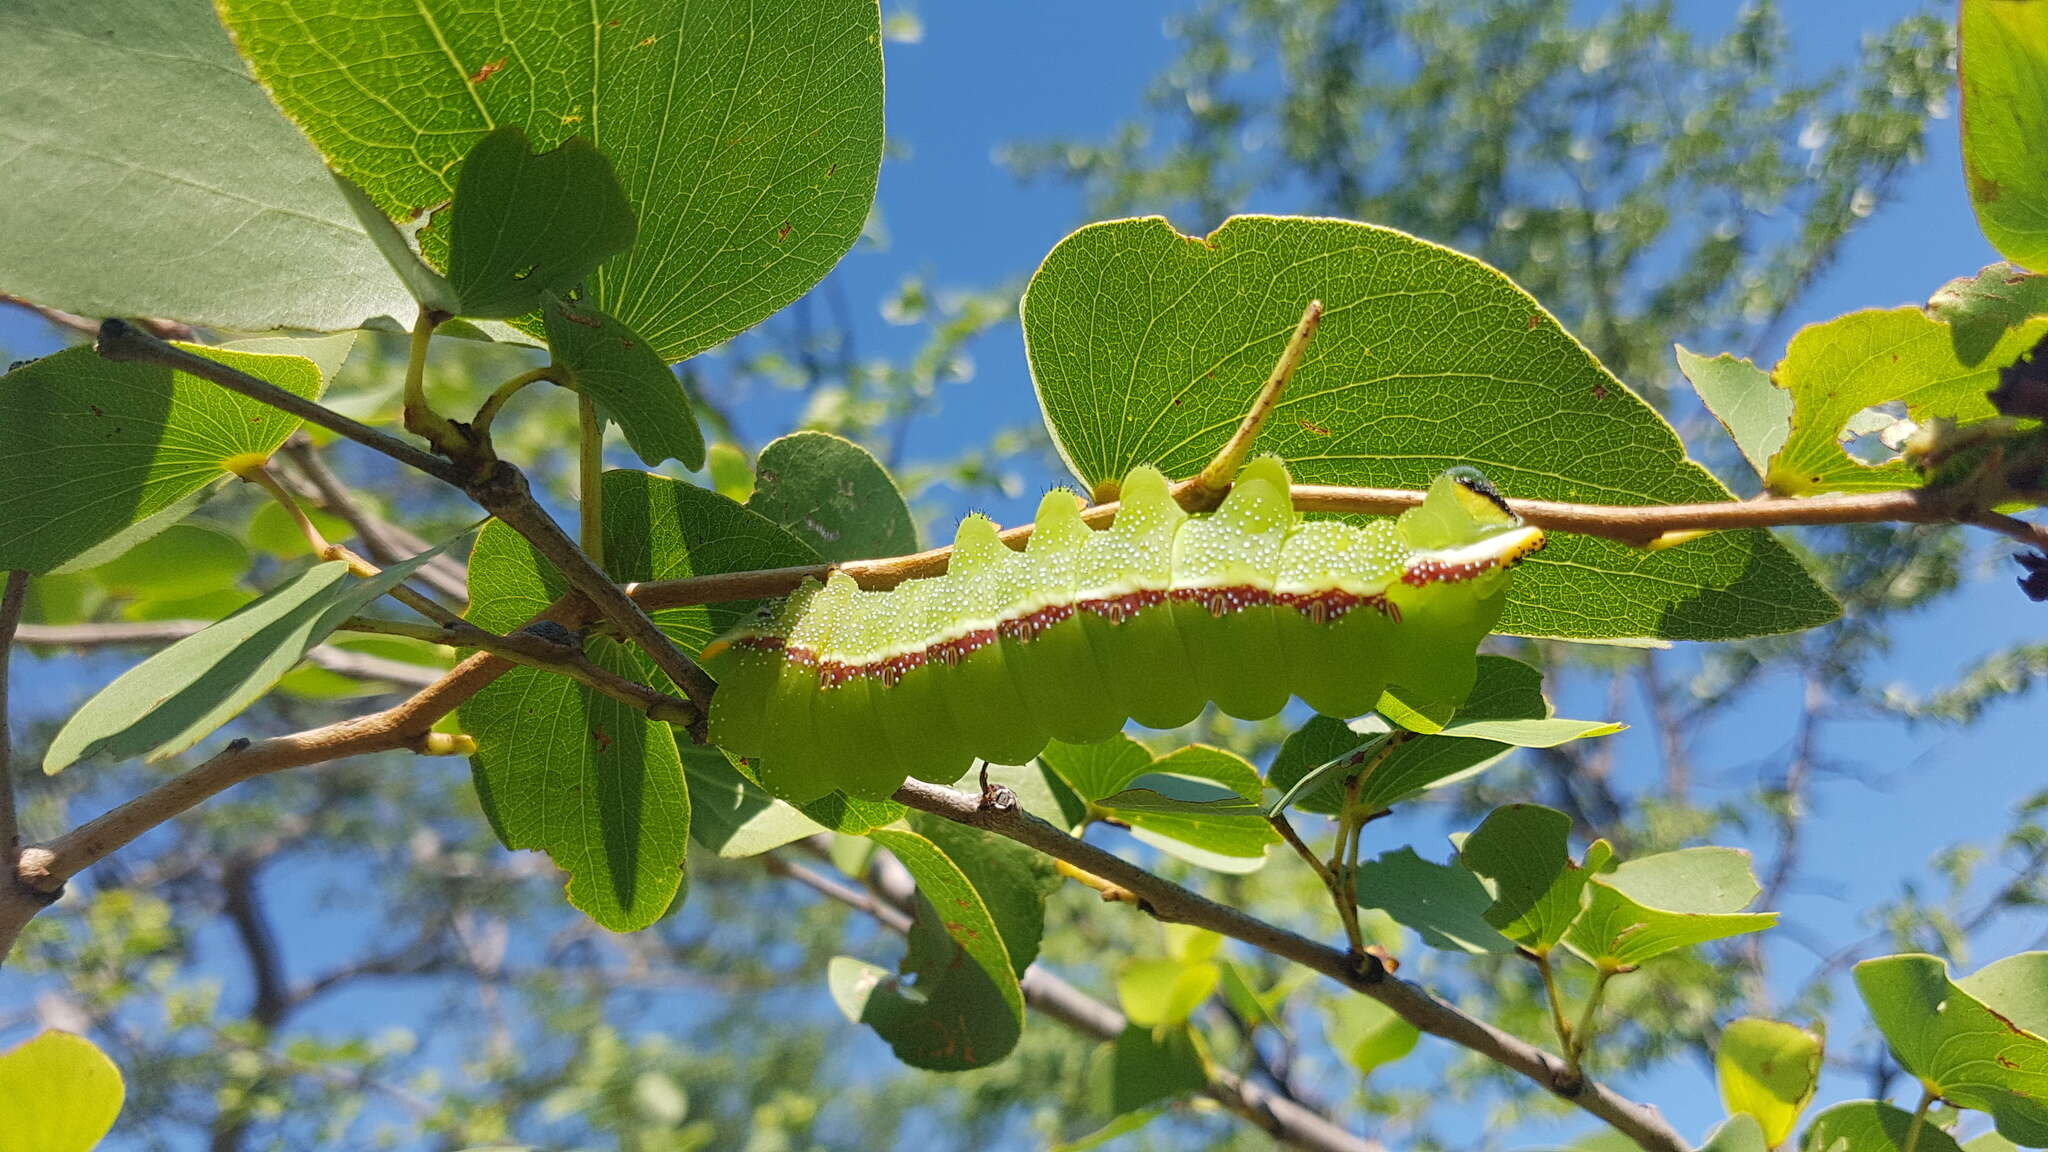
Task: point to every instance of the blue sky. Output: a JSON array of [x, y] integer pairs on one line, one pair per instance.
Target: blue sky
[[985, 74]]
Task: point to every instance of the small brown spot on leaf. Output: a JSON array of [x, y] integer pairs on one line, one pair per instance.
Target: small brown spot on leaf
[[1534, 321], [604, 740], [644, 43], [782, 233], [832, 171], [487, 71], [1318, 429], [97, 410], [1599, 391], [572, 118]]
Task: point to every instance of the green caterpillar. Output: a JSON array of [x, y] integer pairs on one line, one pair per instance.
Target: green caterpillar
[[1148, 620]]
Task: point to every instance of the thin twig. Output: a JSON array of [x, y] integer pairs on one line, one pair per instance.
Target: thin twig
[[122, 341], [1288, 1121], [1172, 903], [11, 601], [387, 543], [1214, 479]]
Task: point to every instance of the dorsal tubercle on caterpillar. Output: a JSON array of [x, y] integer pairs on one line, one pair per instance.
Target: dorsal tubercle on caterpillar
[[1083, 630]]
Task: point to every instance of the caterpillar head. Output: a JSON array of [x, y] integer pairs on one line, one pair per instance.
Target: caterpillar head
[[1464, 528]]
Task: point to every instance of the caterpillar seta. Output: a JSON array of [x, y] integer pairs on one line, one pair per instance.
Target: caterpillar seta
[[1083, 630]]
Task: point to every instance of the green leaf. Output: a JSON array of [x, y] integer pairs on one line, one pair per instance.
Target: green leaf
[[1739, 1133], [1149, 1065], [207, 606], [1981, 309], [524, 224], [1123, 1125], [1098, 770], [1013, 881], [2004, 71], [1839, 367], [834, 495], [579, 775], [1445, 904], [612, 365], [1506, 708], [1369, 1034], [1199, 803], [586, 778], [732, 815], [1977, 1043], [961, 1006], [397, 245], [731, 475], [655, 529], [1671, 900], [1522, 851], [182, 561], [58, 1093], [1768, 1070], [181, 693], [851, 815], [1164, 990], [747, 136], [1871, 1126], [1756, 412], [271, 529], [1147, 346], [1257, 1008], [96, 456], [230, 222]]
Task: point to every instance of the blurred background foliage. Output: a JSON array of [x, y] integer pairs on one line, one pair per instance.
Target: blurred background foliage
[[1644, 183]]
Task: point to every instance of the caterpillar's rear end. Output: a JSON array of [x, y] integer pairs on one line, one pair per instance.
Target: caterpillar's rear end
[[1148, 620]]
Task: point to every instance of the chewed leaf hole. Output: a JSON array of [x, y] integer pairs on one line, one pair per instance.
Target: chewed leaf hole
[[1876, 434]]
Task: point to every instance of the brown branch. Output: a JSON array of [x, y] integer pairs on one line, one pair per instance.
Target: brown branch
[[1171, 903], [1285, 1120], [1632, 524], [386, 542]]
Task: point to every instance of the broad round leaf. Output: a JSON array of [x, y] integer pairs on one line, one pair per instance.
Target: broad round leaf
[[1978, 1043], [96, 456], [1655, 904], [230, 221], [747, 136], [1147, 347], [835, 495], [1768, 1069], [58, 1093]]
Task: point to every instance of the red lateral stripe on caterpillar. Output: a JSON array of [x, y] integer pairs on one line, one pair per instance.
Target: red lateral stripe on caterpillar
[[1084, 630]]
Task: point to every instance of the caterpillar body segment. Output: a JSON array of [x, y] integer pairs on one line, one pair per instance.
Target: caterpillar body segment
[[1148, 620]]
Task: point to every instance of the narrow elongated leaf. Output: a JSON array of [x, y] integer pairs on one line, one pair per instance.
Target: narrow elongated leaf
[[2004, 69], [1147, 347], [1872, 1126], [1650, 906], [1768, 1070], [96, 456], [1968, 1051], [1506, 709], [835, 495], [1523, 853], [1756, 412], [181, 693], [747, 135], [611, 364], [1839, 367], [732, 815], [58, 1093], [525, 225], [1444, 903], [228, 222], [962, 1006]]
